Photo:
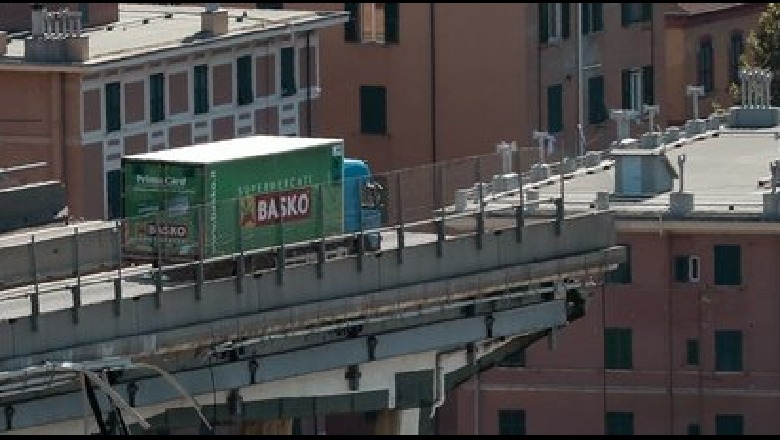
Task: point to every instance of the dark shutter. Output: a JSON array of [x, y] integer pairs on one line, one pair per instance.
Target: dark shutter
[[617, 348], [585, 22], [647, 85], [244, 79], [391, 22], [619, 423], [597, 111], [728, 265], [598, 16], [511, 422], [555, 108], [647, 12], [565, 20], [625, 82], [200, 84], [289, 86], [351, 26], [625, 14], [544, 32], [729, 424], [113, 103], [156, 97], [728, 350], [373, 110], [692, 352], [681, 268]]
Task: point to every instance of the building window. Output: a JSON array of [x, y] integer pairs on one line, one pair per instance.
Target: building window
[[728, 350], [704, 70], [686, 268], [692, 352], [200, 90], [617, 349], [289, 87], [244, 80], [592, 17], [597, 110], [736, 48], [511, 422], [553, 22], [622, 274], [635, 13], [619, 423], [113, 106], [728, 265], [156, 97], [373, 110], [372, 22], [637, 87], [555, 108], [729, 424], [694, 429]]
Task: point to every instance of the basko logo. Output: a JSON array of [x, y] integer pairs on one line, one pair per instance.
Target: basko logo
[[287, 205], [167, 230]]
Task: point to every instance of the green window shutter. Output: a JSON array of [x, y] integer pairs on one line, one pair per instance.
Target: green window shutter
[[565, 20], [728, 350], [156, 97], [729, 424], [728, 265], [373, 110], [200, 84], [598, 16], [544, 32], [289, 86], [351, 26], [625, 14], [112, 109], [625, 81], [555, 108], [511, 422], [597, 111], [647, 85], [391, 22], [619, 423], [681, 268], [244, 80], [692, 352], [647, 12], [585, 22], [617, 348]]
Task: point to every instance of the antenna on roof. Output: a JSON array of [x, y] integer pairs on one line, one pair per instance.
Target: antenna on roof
[[681, 163]]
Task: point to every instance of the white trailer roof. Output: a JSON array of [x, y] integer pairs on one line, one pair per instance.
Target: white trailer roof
[[232, 149]]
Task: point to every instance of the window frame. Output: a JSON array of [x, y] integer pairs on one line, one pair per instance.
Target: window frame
[[623, 274], [619, 423], [722, 261], [728, 358], [597, 108], [725, 424], [555, 122], [735, 55], [592, 18], [514, 420], [705, 64], [288, 84]]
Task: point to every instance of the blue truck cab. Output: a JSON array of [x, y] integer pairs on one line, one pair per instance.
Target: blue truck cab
[[363, 203]]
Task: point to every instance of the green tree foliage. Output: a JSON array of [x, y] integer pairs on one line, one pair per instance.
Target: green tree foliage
[[762, 48]]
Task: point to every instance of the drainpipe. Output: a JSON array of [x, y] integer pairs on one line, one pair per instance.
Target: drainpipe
[[308, 83], [432, 14], [63, 142]]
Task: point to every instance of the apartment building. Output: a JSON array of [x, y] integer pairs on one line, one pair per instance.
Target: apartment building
[[415, 83], [79, 98], [681, 339]]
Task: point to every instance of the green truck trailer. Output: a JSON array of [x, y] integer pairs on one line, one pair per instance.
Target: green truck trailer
[[223, 197]]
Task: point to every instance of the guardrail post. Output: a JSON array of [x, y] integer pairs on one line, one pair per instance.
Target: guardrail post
[[320, 257], [558, 216], [400, 229], [117, 296], [76, 264], [199, 279], [439, 223], [76, 293], [158, 273], [519, 223], [280, 263], [35, 305]]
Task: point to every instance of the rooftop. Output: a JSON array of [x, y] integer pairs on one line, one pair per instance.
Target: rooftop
[[231, 149], [144, 29]]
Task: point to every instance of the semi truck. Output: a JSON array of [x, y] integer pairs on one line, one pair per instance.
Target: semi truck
[[230, 196]]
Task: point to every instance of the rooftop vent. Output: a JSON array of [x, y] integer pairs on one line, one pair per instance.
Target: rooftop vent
[[214, 21], [56, 36], [168, 15]]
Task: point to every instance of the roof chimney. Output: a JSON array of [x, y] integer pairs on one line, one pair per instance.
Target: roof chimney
[[213, 20]]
